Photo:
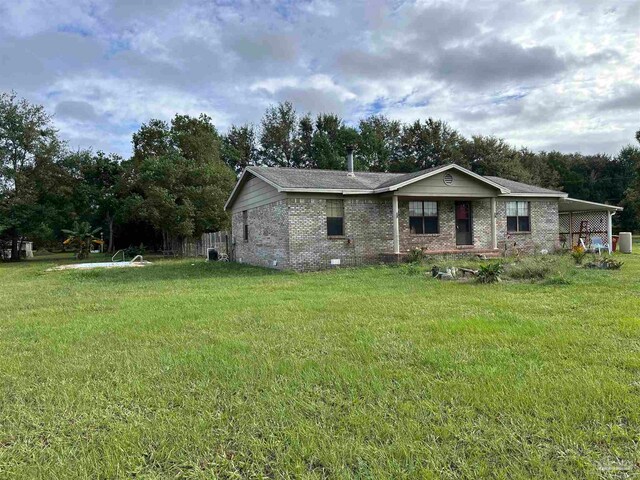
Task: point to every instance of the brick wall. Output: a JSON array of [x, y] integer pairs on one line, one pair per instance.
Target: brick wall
[[368, 231], [446, 239], [544, 228], [294, 231], [268, 235], [481, 214]]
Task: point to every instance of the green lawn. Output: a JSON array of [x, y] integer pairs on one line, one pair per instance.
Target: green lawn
[[187, 369]]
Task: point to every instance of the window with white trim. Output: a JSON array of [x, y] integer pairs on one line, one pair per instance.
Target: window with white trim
[[423, 217], [518, 217]]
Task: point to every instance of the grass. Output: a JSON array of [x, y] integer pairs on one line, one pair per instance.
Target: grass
[[188, 369]]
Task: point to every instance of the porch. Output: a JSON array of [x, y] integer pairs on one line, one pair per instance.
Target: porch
[[464, 225], [586, 221]]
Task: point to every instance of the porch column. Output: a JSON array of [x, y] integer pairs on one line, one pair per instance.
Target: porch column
[[396, 225], [610, 231], [494, 230]]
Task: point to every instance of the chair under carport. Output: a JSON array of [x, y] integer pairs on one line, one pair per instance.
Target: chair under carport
[[583, 220]]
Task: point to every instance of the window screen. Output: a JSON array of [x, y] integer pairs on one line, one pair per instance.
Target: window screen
[[423, 217], [518, 217], [335, 218]]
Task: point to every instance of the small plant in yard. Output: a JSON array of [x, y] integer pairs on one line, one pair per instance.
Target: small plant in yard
[[531, 268], [490, 272], [578, 253], [606, 263], [415, 255], [410, 269], [81, 237]]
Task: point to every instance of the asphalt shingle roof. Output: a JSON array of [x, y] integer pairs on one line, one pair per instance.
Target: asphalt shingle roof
[[323, 179], [519, 187], [312, 179]]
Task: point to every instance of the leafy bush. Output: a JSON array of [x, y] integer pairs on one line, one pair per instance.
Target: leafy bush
[[606, 263], [490, 273], [530, 270], [415, 255], [133, 251], [578, 253], [411, 269]]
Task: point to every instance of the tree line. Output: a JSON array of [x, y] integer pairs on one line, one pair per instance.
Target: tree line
[[174, 185]]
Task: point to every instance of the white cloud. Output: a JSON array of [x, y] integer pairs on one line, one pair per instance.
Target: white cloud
[[564, 77]]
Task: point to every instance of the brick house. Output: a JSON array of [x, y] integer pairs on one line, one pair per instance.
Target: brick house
[[311, 219]]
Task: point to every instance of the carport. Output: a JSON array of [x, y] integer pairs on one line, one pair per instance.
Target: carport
[[586, 220]]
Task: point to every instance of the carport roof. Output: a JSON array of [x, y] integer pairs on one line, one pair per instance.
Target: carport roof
[[574, 205]]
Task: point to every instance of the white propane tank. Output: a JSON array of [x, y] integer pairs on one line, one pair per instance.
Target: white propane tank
[[624, 242]]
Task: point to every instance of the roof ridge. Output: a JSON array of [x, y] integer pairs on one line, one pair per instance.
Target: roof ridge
[[303, 169]]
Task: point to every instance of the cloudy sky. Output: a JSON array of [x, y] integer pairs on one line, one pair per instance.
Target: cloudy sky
[[562, 75]]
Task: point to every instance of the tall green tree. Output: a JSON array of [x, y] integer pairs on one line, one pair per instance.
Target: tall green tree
[[103, 183], [493, 156], [183, 184], [539, 170], [629, 218], [379, 144], [429, 144], [239, 149], [153, 139], [331, 141], [303, 153], [279, 139], [29, 149]]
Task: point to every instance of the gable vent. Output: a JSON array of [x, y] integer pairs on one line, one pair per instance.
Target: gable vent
[[448, 179]]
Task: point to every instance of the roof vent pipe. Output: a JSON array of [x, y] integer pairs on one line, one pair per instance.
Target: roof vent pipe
[[350, 162]]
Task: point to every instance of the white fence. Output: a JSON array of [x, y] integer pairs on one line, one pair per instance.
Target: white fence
[[595, 224]]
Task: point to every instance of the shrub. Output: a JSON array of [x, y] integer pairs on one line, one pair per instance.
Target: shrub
[[578, 253], [415, 255], [133, 251], [411, 269], [529, 270], [490, 273], [606, 263], [532, 268]]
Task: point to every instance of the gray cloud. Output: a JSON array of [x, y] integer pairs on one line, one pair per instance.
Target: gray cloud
[[394, 63], [628, 99], [37, 60], [496, 61], [475, 66], [76, 110], [311, 100], [265, 47], [440, 24]]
